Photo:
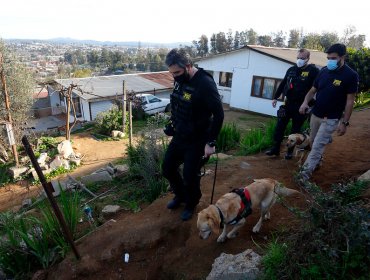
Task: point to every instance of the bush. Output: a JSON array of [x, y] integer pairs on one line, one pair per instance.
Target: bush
[[110, 120], [31, 243], [228, 137], [258, 139], [334, 240], [145, 161]]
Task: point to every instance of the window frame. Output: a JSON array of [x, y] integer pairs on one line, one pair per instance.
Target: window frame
[[229, 79], [276, 84]]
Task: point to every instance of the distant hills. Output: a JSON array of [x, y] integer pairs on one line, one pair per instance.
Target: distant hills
[[101, 43]]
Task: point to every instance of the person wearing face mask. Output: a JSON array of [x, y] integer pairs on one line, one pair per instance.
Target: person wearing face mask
[[296, 83], [335, 88], [196, 120]]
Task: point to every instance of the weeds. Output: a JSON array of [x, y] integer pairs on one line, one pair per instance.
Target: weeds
[[31, 243], [333, 242], [228, 137], [145, 161], [258, 139]]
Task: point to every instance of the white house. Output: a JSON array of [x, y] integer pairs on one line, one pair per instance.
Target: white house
[[98, 94], [247, 78]]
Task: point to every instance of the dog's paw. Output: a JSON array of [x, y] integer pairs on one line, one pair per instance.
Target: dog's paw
[[256, 228], [232, 235], [221, 239], [267, 216]]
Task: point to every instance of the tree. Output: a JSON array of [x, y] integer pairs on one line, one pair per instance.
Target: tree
[[229, 41], [279, 39], [243, 39], [213, 44], [20, 86], [294, 38], [251, 37], [265, 40], [221, 42], [328, 38], [203, 45], [312, 41], [356, 41], [237, 40], [359, 60], [93, 58]]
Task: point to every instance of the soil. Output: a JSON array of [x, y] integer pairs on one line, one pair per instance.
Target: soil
[[95, 154], [161, 246]]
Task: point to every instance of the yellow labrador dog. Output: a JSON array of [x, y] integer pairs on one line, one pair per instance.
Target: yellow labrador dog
[[301, 141], [226, 211]]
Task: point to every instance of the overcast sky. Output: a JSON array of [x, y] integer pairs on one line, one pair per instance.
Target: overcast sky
[[167, 21]]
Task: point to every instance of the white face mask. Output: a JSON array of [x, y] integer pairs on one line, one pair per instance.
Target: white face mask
[[301, 62]]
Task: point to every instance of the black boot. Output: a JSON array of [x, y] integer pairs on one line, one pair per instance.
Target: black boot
[[274, 151]]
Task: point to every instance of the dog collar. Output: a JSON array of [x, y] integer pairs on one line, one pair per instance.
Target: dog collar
[[221, 217]]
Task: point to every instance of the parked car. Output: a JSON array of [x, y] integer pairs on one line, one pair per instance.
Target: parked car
[[152, 104]]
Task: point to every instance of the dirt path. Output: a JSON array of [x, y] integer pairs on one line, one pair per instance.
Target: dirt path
[[161, 246], [96, 154]]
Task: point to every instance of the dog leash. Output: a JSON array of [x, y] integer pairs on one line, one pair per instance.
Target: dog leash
[[214, 179]]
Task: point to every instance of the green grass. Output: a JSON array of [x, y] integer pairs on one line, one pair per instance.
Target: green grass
[[228, 137], [5, 177]]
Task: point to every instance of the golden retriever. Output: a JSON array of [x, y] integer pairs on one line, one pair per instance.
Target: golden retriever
[[301, 142], [263, 194]]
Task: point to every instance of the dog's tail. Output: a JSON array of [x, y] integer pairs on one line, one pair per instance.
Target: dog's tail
[[283, 191]]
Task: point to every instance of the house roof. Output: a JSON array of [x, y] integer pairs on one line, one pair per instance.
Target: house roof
[[290, 55], [104, 87], [285, 54]]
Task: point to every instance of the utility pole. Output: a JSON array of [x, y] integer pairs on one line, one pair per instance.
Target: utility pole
[[68, 110], [7, 107], [124, 108]]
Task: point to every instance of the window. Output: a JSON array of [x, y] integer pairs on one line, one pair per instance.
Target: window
[[225, 79], [77, 104], [153, 99], [264, 87]]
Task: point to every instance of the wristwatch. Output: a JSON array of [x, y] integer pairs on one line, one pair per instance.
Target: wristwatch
[[345, 123], [211, 143]]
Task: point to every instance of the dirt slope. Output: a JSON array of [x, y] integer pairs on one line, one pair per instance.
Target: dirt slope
[[161, 246]]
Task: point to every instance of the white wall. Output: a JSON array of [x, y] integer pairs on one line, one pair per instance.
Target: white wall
[[100, 106], [244, 64]]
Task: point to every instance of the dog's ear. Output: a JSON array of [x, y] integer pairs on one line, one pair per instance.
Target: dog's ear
[[298, 140]]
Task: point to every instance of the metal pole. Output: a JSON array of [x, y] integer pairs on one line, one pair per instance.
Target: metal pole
[[48, 187], [130, 122], [68, 109], [124, 108], [7, 107]]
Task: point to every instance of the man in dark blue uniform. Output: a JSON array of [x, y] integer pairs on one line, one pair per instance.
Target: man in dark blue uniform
[[335, 88], [196, 119], [297, 82]]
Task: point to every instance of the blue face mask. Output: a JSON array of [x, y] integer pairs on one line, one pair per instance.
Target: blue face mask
[[332, 64]]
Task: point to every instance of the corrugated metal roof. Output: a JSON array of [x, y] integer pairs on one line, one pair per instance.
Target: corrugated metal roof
[[290, 55], [110, 86]]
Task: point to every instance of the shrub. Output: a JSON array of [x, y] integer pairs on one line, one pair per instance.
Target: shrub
[[228, 137], [110, 120], [31, 243], [334, 240], [258, 139], [145, 161]]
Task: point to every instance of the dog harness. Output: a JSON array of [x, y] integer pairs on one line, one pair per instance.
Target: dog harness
[[245, 206]]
